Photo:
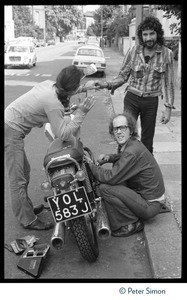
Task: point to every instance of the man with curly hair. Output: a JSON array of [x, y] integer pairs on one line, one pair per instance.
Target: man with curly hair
[[146, 66]]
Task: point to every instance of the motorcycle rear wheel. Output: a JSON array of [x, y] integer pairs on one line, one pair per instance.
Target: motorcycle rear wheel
[[84, 231]]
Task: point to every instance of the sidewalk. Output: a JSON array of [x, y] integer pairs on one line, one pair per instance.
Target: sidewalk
[[162, 233]]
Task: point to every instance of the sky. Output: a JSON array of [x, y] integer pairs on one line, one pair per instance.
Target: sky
[[90, 7]]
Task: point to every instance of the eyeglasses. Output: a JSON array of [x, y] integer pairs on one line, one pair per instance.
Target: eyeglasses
[[122, 128]]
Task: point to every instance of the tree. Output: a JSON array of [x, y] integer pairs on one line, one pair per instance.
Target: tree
[[115, 24], [23, 22], [107, 11], [172, 10], [62, 18]]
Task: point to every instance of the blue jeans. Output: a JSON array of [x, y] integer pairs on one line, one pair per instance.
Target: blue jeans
[[146, 107], [18, 170], [124, 206]]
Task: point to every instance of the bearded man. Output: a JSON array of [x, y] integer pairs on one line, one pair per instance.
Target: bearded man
[[146, 67]]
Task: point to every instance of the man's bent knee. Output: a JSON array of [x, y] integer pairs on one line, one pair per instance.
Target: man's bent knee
[[103, 187]]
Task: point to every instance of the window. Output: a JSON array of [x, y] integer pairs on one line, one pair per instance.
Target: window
[[18, 49], [90, 52]]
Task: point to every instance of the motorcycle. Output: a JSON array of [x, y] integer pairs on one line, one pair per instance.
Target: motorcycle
[[75, 203]]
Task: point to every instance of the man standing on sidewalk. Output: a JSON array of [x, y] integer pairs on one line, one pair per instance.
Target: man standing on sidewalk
[[146, 66]]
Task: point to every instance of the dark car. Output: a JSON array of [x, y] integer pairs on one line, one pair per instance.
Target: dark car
[[51, 42], [40, 43]]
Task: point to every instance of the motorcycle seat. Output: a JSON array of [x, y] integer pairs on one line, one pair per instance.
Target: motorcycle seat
[[58, 148]]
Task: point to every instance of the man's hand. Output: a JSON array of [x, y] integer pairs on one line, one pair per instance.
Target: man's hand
[[87, 104], [88, 159], [89, 85], [101, 84], [103, 159], [166, 115]]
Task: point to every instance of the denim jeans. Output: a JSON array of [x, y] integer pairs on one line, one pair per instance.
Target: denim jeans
[[146, 107], [18, 170], [124, 206]]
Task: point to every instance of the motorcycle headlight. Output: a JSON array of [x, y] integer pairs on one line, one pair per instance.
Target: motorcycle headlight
[[80, 175]]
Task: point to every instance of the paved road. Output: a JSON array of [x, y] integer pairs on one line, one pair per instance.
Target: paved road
[[119, 258]]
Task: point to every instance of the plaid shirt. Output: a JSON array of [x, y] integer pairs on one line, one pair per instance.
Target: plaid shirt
[[147, 79]]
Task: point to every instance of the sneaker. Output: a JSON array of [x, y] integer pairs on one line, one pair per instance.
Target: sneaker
[[128, 230], [39, 225]]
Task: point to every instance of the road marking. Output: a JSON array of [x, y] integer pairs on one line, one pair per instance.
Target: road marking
[[28, 74], [17, 83], [22, 74]]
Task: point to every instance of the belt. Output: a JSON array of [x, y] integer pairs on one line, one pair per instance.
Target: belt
[[142, 95]]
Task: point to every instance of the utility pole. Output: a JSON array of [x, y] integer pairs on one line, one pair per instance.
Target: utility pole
[[101, 27], [139, 15], [44, 26]]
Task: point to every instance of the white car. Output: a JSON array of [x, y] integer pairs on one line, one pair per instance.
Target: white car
[[20, 55], [82, 41], [90, 54], [93, 40]]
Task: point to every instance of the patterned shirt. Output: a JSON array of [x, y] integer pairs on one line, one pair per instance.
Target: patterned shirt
[[147, 79]]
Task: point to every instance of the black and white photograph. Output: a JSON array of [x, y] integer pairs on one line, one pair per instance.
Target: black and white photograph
[[92, 143]]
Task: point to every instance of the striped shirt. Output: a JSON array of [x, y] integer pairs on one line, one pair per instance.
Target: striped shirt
[[39, 106], [148, 79]]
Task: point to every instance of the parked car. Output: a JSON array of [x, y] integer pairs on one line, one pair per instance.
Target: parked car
[[40, 43], [93, 40], [51, 42], [90, 54], [20, 55], [173, 44], [27, 40], [82, 41]]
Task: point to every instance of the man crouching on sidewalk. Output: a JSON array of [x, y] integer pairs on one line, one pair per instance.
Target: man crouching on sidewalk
[[134, 188]]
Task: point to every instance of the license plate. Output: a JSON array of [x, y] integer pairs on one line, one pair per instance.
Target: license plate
[[70, 205]]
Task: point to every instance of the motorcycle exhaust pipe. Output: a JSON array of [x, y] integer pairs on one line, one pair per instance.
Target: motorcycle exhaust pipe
[[58, 236], [103, 227]]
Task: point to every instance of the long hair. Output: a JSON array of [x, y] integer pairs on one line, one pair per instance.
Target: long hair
[[151, 23], [67, 81], [131, 121]]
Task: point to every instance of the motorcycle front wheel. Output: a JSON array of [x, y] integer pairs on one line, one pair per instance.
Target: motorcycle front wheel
[[84, 231]]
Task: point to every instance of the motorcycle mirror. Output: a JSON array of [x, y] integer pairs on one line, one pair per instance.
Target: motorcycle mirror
[[89, 70]]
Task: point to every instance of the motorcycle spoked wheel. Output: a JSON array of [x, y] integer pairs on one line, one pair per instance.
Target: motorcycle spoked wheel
[[84, 231]]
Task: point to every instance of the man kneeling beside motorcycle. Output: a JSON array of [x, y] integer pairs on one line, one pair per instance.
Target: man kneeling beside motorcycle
[[134, 188]]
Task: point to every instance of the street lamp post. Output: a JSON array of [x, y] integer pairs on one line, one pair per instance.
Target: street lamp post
[[44, 27], [101, 27]]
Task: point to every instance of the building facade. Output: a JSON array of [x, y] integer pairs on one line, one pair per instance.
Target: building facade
[[8, 23]]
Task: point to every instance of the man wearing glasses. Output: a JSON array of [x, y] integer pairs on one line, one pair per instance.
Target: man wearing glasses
[[134, 188]]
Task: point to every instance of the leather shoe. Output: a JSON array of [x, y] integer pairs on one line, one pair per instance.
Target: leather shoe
[[39, 225], [38, 209], [128, 230]]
